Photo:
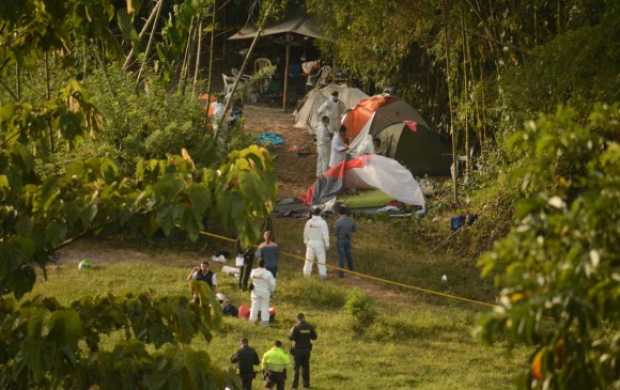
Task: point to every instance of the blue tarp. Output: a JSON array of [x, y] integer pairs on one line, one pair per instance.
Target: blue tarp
[[269, 138]]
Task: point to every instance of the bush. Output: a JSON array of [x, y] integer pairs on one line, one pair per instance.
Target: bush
[[311, 292], [391, 329], [362, 310]]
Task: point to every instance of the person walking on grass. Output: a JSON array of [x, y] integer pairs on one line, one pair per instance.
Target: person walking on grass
[[302, 335], [246, 358], [316, 238], [345, 227], [263, 285], [274, 365], [269, 251]]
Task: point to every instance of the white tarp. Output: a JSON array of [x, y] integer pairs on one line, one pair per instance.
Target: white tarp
[[389, 176]]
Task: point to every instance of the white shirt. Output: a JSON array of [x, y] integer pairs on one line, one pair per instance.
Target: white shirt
[[322, 135], [316, 230], [338, 150], [332, 110], [263, 281]]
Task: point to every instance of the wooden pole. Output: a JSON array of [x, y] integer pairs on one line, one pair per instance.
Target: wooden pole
[[129, 59], [148, 45], [197, 56], [211, 49], [287, 55]]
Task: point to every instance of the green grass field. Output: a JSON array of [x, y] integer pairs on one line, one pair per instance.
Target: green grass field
[[416, 342]]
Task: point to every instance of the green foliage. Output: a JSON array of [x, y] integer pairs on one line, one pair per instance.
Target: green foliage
[[576, 68], [312, 293], [47, 345], [362, 310], [559, 268], [151, 125]]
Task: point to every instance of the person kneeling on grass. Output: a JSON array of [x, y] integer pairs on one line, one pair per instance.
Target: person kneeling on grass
[[203, 274], [263, 285], [274, 365]]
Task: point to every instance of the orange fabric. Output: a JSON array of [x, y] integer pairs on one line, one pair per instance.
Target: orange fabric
[[361, 114], [208, 100]]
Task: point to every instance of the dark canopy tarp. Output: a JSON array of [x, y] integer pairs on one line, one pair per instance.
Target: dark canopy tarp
[[302, 25]]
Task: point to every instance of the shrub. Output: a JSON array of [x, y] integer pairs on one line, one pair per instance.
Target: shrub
[[310, 292], [391, 329], [362, 310]]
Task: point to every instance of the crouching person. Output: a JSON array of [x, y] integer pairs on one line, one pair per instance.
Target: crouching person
[[263, 285], [274, 364]]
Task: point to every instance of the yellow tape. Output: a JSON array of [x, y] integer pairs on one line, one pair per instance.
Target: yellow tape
[[370, 277]]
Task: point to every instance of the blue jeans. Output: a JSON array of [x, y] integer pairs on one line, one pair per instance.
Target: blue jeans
[[344, 252], [273, 269]]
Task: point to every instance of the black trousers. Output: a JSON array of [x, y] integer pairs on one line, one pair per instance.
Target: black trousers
[[276, 380], [246, 381], [244, 274], [302, 363]]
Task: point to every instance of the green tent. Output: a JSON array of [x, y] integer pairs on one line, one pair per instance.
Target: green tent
[[417, 147]]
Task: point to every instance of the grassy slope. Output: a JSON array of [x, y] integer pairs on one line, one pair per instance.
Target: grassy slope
[[418, 342]]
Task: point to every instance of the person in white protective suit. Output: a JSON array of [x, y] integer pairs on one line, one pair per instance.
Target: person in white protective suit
[[263, 285], [323, 140], [332, 108], [316, 238], [339, 148]]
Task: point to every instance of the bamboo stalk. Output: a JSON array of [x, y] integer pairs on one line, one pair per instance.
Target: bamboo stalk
[[185, 65], [211, 48], [452, 132], [129, 59], [245, 62], [466, 96], [48, 95], [18, 81], [197, 57], [148, 45]]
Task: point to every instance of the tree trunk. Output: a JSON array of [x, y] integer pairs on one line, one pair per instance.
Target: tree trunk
[[211, 49], [197, 56], [129, 59], [150, 42]]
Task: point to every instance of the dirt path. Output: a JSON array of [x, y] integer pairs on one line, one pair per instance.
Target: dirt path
[[295, 173]]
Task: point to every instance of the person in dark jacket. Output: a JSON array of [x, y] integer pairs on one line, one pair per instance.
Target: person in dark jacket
[[302, 334], [345, 227], [244, 272], [269, 251], [246, 358]]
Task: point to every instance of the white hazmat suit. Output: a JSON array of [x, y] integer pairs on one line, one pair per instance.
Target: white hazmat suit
[[338, 151], [264, 285], [331, 108], [316, 238], [322, 149]]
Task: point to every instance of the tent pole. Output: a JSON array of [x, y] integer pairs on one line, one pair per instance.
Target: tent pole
[[285, 78]]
